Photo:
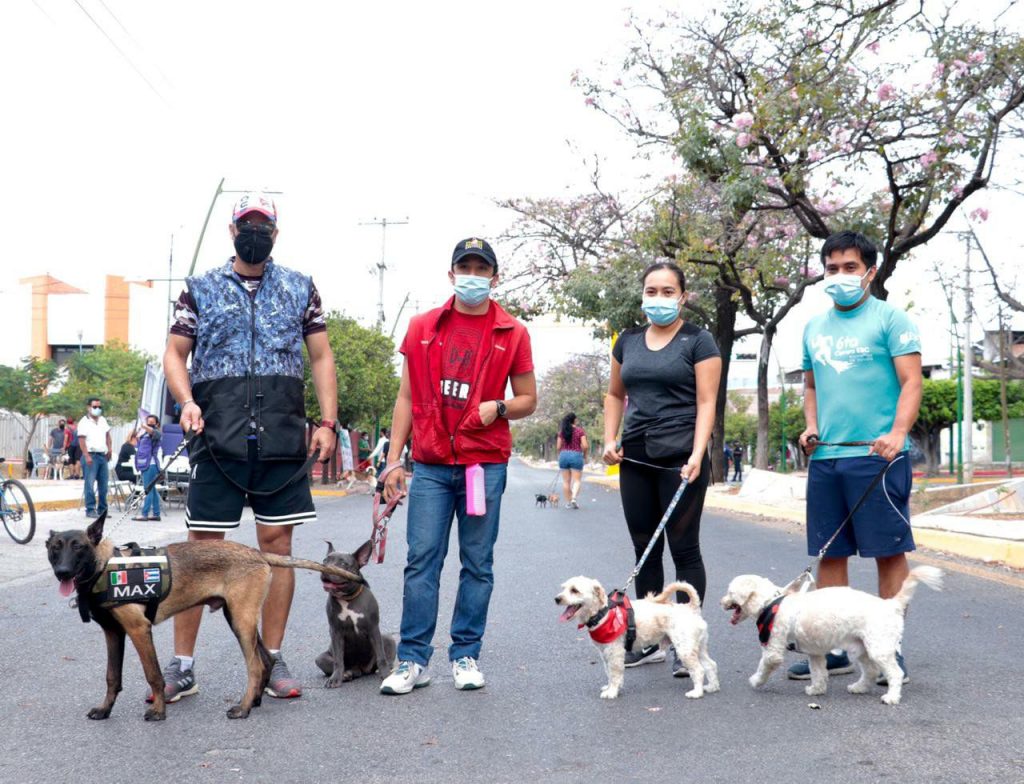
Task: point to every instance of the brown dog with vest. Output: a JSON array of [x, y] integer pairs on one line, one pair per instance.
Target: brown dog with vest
[[220, 574]]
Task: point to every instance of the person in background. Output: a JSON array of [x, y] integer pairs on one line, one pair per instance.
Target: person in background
[[572, 445], [670, 370], [737, 462], [97, 449], [148, 465], [379, 455], [72, 450], [123, 470], [728, 459], [56, 446]]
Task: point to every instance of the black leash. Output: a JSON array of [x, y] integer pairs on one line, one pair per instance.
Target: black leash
[[303, 469], [813, 440], [657, 533]]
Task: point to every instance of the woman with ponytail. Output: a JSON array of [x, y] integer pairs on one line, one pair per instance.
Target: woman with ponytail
[[571, 444]]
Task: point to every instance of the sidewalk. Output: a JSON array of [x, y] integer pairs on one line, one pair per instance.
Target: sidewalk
[[773, 496]]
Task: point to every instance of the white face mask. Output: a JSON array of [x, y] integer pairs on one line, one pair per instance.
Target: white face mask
[[96, 411], [844, 289]]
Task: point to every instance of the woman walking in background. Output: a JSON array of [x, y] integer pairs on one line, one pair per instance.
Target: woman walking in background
[[572, 445], [670, 370]]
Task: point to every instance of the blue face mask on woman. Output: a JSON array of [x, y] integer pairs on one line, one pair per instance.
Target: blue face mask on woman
[[472, 290], [661, 310], [844, 289]]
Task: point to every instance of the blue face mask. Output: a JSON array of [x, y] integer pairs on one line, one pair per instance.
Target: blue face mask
[[845, 290], [472, 290], [661, 310]]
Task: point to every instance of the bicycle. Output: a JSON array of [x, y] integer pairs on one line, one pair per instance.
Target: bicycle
[[17, 510]]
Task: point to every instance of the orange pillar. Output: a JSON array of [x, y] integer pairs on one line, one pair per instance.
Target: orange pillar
[[115, 310]]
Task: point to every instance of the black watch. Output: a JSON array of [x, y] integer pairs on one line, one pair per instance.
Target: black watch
[[502, 408]]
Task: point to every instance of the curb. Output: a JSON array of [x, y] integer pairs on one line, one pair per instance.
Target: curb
[[57, 506], [980, 548], [329, 493]]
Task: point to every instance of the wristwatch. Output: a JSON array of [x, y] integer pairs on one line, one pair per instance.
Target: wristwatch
[[330, 424], [502, 408]]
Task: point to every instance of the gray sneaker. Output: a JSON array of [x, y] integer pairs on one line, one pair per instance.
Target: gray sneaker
[[177, 684], [281, 683], [678, 668]]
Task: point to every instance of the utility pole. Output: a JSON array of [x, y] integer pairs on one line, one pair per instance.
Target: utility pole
[[968, 421], [381, 266], [1004, 367]]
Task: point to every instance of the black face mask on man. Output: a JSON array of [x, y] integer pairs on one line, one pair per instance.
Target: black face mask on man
[[252, 246]]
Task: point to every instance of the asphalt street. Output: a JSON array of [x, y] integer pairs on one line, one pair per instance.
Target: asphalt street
[[539, 719]]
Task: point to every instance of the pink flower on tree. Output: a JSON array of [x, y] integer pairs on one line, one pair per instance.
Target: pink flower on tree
[[979, 215], [959, 67], [618, 83], [743, 120], [954, 138], [929, 158], [977, 57], [794, 94], [958, 191], [743, 139], [873, 47], [781, 281], [590, 101], [815, 155], [886, 92], [940, 68]]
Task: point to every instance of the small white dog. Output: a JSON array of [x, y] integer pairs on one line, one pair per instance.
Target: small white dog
[[657, 618], [813, 623]]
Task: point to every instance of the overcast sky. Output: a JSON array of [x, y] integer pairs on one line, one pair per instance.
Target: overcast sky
[[355, 111]]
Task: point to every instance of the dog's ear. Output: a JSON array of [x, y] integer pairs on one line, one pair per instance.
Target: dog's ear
[[95, 531], [50, 537], [599, 594], [362, 555], [330, 547]]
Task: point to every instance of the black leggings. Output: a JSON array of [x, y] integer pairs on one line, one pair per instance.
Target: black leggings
[[646, 493]]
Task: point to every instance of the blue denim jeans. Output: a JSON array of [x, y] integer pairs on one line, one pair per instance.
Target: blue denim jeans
[[95, 502], [151, 504], [437, 494]]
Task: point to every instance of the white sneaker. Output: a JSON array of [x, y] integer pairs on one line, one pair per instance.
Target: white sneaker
[[467, 674], [404, 678]]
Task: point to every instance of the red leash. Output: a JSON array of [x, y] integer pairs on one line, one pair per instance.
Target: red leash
[[381, 518]]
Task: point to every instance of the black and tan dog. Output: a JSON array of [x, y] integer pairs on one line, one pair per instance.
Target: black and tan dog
[[357, 646], [219, 574]]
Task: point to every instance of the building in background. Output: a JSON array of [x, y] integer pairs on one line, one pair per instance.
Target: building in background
[[50, 318]]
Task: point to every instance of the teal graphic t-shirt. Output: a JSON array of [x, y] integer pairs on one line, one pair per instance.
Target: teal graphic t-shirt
[[851, 353]]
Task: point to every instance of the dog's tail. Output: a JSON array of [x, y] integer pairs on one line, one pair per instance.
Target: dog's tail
[[928, 575], [301, 563], [666, 596]]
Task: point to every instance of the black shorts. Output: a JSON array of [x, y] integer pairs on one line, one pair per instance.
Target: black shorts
[[215, 504]]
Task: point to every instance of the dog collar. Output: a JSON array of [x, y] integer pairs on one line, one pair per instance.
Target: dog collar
[[350, 597], [766, 619], [608, 625]]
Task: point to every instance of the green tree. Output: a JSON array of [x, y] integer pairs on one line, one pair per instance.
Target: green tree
[[27, 389], [112, 372], [578, 385], [786, 419], [938, 411], [367, 382]]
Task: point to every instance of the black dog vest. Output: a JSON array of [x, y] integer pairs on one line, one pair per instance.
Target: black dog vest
[[134, 575]]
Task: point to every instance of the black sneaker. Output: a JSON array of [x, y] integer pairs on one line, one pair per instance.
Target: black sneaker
[[177, 684], [678, 668], [649, 655]]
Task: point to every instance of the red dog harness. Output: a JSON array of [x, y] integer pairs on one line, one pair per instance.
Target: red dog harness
[[612, 622]]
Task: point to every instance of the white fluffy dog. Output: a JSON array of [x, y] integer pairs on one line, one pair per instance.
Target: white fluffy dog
[[658, 618], [813, 623]]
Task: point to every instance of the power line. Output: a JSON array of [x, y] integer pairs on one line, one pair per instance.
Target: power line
[[127, 59]]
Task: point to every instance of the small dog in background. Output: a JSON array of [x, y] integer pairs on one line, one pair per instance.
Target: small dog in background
[[357, 646], [815, 622], [542, 500], [553, 500], [658, 619]]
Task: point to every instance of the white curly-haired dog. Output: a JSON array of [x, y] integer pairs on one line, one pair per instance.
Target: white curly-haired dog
[[815, 622], [657, 618]]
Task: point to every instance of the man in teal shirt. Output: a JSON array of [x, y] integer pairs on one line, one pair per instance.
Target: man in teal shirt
[[862, 382]]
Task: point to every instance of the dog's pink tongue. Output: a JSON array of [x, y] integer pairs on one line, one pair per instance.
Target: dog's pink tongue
[[567, 614], [67, 587]]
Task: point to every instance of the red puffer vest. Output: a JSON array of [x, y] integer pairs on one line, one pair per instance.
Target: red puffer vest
[[472, 442]]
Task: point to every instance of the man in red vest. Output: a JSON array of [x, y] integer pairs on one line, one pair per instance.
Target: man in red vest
[[459, 360]]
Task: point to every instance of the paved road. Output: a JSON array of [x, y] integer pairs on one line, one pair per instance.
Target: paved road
[[539, 719]]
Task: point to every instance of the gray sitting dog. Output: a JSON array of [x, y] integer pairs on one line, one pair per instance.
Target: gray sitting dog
[[357, 646]]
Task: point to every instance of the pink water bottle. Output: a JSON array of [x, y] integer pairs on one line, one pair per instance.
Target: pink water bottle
[[476, 502]]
